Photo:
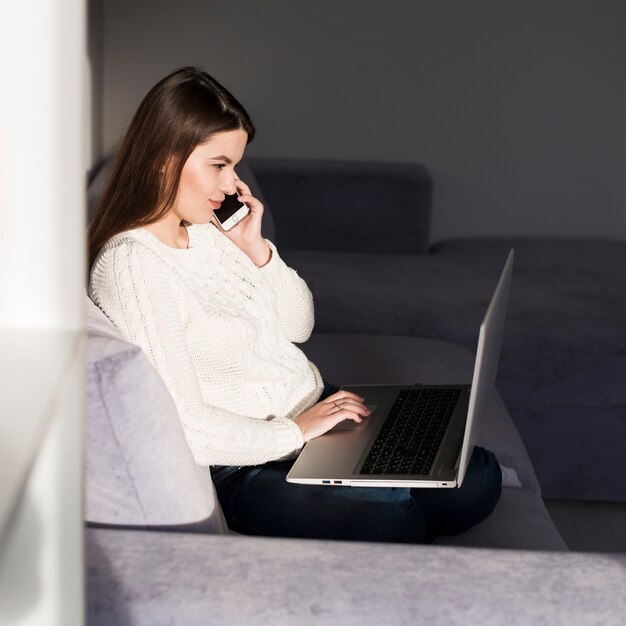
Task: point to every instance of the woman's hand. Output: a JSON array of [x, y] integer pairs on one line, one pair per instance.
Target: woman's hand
[[329, 412], [247, 234]]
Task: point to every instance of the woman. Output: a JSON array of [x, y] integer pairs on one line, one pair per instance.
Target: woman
[[218, 314]]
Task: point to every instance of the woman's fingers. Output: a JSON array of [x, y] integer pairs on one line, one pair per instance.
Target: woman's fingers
[[357, 407], [253, 204], [242, 188], [245, 196], [347, 409], [341, 395], [347, 405], [326, 414]]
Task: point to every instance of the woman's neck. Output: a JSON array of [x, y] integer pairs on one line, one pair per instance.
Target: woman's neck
[[171, 233]]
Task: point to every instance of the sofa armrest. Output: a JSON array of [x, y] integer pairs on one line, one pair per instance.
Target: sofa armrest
[[347, 206], [172, 578]]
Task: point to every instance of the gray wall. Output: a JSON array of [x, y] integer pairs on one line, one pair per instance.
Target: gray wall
[[517, 107]]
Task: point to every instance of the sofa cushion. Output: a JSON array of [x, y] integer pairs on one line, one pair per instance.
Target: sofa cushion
[[139, 469], [157, 578], [520, 521]]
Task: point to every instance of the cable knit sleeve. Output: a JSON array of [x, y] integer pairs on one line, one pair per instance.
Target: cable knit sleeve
[[138, 292], [293, 297]]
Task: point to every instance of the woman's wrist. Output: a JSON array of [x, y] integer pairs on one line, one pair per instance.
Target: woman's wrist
[[267, 259], [260, 254]]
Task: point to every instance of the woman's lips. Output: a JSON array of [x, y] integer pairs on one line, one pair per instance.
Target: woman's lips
[[215, 205]]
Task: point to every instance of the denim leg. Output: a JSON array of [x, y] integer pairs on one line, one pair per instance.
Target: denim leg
[[451, 511], [258, 500]]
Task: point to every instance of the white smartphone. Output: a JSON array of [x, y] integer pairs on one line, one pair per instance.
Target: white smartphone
[[231, 212]]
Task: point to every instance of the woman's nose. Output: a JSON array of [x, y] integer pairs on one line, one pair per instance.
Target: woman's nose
[[228, 185]]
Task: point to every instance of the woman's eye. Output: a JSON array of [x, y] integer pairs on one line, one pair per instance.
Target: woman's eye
[[219, 166]]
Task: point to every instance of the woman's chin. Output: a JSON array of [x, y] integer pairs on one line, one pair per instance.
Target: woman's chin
[[202, 219]]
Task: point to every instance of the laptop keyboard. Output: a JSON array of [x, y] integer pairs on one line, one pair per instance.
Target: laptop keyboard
[[412, 433]]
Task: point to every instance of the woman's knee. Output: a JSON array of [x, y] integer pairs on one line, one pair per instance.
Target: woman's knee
[[483, 480], [451, 511]]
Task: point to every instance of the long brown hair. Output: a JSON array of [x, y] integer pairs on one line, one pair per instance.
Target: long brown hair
[[178, 113]]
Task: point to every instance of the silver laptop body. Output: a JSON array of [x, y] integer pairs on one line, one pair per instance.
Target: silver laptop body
[[338, 457]]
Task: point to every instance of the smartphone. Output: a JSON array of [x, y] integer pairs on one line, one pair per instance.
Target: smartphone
[[231, 212]]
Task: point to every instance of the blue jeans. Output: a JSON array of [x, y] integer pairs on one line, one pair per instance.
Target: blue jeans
[[257, 500]]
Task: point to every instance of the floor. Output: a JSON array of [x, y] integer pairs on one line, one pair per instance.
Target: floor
[[590, 526]]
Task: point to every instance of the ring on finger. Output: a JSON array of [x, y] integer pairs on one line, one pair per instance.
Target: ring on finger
[[337, 405]]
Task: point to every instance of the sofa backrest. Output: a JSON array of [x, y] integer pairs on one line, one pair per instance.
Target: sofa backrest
[[139, 469], [348, 206]]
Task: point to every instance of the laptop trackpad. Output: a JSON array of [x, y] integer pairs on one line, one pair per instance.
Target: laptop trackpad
[[352, 425]]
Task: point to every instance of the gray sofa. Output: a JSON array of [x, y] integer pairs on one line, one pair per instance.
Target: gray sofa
[[158, 551]]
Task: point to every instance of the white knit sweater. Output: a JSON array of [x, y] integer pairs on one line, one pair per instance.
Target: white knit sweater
[[219, 331]]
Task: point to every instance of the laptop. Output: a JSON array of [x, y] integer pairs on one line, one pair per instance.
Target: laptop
[[417, 435]]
